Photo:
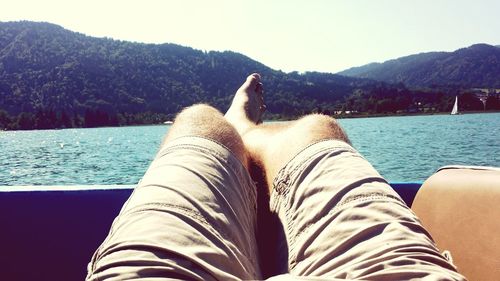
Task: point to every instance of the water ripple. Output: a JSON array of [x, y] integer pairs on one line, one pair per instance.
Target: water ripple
[[401, 148]]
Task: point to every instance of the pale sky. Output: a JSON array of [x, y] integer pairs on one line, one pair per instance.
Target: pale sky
[[288, 35]]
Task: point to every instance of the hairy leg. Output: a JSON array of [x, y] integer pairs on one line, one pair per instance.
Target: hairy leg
[[205, 121], [248, 105], [339, 217], [271, 146], [193, 214]]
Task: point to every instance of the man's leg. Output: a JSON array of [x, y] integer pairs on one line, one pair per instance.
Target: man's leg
[[340, 217], [193, 214], [272, 145]]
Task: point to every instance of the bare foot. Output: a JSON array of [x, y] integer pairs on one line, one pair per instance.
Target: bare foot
[[248, 106]]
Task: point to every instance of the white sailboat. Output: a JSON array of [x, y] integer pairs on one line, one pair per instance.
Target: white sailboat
[[454, 111]]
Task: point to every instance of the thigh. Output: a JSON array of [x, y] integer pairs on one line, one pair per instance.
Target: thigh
[[192, 216], [342, 220]]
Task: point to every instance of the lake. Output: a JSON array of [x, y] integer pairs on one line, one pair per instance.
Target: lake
[[405, 149]]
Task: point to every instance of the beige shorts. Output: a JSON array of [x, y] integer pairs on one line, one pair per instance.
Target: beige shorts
[[193, 217]]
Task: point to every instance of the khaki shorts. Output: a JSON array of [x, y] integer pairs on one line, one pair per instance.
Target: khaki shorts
[[193, 217]]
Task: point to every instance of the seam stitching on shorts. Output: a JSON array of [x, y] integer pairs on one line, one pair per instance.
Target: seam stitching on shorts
[[300, 166], [149, 207], [350, 201], [190, 213], [229, 160], [194, 147], [167, 146], [220, 156], [312, 144], [282, 186], [139, 209], [185, 211]]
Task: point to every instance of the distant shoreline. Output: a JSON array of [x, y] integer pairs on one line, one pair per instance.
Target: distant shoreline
[[353, 116], [367, 115], [414, 114]]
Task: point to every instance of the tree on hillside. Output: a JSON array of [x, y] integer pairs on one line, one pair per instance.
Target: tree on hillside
[[493, 102]]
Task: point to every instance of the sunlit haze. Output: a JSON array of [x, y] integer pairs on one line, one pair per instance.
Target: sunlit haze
[[316, 35]]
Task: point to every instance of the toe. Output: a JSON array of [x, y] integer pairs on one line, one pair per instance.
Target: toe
[[254, 76], [252, 80], [259, 88]]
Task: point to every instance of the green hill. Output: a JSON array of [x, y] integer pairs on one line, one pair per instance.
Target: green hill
[[477, 66], [47, 70], [51, 77]]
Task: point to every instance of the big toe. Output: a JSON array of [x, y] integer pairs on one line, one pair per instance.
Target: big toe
[[252, 82]]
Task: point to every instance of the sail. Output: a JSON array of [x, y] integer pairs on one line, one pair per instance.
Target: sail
[[455, 107]]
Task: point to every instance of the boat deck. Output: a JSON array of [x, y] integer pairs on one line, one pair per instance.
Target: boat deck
[[51, 232]]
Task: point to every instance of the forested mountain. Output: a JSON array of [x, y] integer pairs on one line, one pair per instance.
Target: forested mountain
[[51, 77], [477, 66], [45, 69]]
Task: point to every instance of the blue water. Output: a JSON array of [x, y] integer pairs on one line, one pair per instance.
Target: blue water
[[412, 148], [400, 148]]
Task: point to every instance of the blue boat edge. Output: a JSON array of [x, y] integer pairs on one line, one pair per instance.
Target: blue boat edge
[[44, 226]]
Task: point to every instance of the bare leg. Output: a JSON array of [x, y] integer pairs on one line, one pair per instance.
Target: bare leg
[[271, 145], [193, 215], [248, 105], [340, 217], [205, 121]]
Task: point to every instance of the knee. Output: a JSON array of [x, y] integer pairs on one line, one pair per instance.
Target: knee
[[319, 126], [202, 120], [319, 120], [205, 121], [197, 111]]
